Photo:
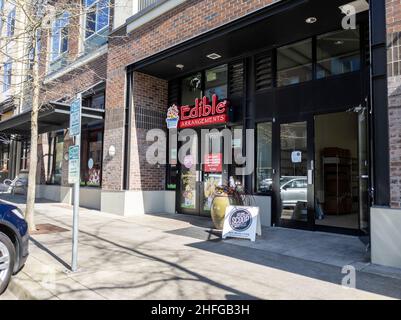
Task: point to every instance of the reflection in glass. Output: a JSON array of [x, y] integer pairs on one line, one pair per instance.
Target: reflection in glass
[[338, 52], [58, 159], [264, 157], [293, 170], [216, 82], [191, 88], [294, 63]]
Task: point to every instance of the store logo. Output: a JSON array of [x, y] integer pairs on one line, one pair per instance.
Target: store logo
[[240, 220], [202, 114]]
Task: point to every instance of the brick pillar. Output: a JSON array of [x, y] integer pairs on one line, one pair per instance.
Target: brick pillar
[[149, 112], [393, 17]]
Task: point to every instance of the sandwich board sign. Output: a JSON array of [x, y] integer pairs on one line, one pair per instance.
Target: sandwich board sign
[[242, 222], [73, 164]]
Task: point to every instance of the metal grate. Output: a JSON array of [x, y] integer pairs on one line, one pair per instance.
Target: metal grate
[[149, 119], [143, 4], [236, 78], [263, 71]]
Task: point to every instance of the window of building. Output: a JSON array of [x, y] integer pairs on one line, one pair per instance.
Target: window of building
[[237, 148], [57, 159], [7, 76], [294, 63], [59, 39], [91, 156], [11, 23], [25, 148], [216, 82], [4, 160], [96, 101], [264, 168], [191, 88], [338, 52], [1, 15], [97, 16]]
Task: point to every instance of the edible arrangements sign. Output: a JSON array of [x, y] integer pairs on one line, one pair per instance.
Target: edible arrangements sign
[[203, 113], [242, 222]]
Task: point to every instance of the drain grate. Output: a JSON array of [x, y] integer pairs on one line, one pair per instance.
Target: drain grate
[[48, 228]]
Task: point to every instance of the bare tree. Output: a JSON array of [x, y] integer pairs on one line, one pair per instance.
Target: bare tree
[[25, 44]]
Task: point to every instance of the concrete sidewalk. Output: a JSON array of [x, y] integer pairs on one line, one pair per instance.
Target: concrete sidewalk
[[180, 257]]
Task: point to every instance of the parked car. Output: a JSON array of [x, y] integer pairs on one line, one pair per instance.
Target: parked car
[[294, 190], [14, 238]]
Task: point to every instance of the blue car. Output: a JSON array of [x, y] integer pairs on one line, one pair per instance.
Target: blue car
[[14, 238]]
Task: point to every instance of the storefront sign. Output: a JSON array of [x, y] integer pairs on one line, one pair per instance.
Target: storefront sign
[[213, 162], [242, 222], [75, 118], [73, 165], [203, 113]]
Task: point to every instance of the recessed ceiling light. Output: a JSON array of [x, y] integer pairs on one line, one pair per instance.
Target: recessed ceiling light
[[214, 56], [338, 42], [311, 20], [180, 66]]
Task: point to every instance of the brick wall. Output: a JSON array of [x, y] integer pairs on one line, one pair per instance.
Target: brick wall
[[185, 21], [393, 16]]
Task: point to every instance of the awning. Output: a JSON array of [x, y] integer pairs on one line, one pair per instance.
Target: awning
[[278, 24], [54, 116]]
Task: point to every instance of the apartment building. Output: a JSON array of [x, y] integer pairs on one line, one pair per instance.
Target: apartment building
[[309, 78]]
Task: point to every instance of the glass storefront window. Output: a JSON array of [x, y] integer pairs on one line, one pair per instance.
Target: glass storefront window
[[338, 52], [264, 170], [191, 88], [216, 82], [91, 157], [4, 160], [58, 159], [24, 163], [294, 63]]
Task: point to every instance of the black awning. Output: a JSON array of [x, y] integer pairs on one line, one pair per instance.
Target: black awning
[[54, 116]]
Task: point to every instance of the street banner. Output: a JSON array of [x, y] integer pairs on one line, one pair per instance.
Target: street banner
[[73, 164], [242, 222]]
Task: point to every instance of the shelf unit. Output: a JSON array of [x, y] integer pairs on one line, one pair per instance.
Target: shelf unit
[[340, 181]]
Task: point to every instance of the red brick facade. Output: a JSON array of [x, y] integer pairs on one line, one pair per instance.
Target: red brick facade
[[393, 16], [185, 21]]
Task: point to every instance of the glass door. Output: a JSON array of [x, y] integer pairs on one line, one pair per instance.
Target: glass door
[[294, 175], [199, 179], [188, 190]]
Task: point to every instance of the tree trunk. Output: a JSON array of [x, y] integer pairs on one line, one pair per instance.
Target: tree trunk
[[30, 202]]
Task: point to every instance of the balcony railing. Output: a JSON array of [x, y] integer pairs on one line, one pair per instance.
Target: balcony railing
[[143, 4]]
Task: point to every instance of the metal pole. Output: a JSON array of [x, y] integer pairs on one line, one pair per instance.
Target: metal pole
[[74, 260], [74, 264]]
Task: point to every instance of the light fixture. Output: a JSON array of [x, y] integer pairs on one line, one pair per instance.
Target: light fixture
[[338, 42], [180, 66], [214, 56], [358, 6], [112, 151], [311, 20]]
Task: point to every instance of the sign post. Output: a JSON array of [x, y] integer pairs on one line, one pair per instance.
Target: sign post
[[74, 173]]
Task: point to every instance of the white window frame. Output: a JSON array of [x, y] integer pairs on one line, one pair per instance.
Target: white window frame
[[87, 9], [53, 56]]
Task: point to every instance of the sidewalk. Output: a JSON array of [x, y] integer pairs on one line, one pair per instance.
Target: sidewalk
[[177, 257]]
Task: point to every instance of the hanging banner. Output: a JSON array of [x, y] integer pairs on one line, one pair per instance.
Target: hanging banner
[[242, 222]]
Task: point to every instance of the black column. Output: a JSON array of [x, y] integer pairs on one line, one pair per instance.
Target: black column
[[379, 104]]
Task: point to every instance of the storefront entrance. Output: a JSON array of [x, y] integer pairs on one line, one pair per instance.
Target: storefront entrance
[[200, 175], [322, 179]]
